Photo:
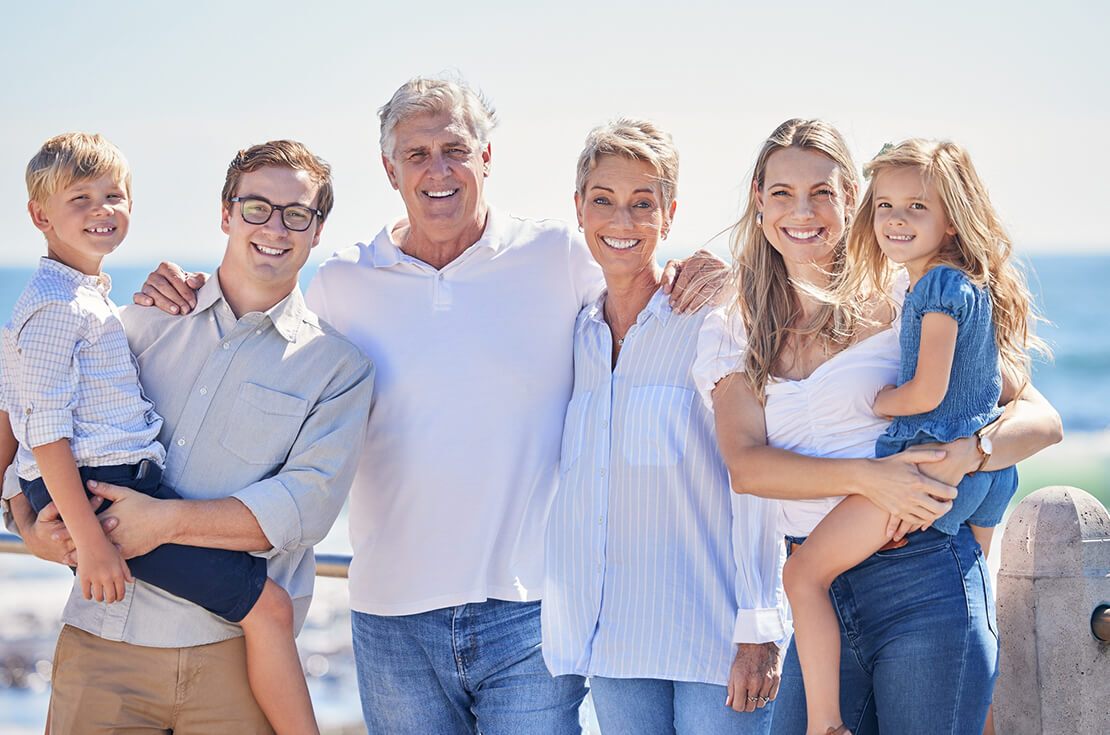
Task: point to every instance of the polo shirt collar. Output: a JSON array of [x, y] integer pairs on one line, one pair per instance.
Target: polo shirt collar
[[385, 253]]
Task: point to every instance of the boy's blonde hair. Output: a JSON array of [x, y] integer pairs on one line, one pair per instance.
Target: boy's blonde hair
[[72, 157], [637, 140], [767, 300], [981, 247]]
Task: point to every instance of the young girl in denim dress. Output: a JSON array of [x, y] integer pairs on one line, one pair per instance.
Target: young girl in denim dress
[[964, 326]]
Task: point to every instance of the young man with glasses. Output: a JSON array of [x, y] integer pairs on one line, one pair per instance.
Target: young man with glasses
[[261, 403]]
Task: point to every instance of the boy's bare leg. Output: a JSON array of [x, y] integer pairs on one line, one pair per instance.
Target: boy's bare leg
[[274, 666], [850, 533]]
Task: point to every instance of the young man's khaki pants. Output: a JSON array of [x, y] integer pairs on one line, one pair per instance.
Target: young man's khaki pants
[[104, 686]]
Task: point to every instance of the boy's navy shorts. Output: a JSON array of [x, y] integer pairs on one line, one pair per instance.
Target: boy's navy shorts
[[227, 583]]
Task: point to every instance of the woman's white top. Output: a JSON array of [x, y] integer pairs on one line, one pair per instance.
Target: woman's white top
[[827, 414]]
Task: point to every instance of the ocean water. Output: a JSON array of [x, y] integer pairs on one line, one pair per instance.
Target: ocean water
[[1069, 290]]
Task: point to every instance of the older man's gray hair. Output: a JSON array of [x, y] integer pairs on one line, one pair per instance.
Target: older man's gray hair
[[423, 96]]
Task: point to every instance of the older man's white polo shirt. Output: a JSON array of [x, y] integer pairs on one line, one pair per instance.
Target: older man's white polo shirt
[[474, 371]]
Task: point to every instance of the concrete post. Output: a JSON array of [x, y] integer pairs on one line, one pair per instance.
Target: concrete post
[[1055, 571]]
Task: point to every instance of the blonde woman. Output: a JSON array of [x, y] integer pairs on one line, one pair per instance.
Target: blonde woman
[[645, 541], [792, 378], [964, 323]]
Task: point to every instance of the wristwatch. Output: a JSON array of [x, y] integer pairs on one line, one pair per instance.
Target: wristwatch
[[986, 448]]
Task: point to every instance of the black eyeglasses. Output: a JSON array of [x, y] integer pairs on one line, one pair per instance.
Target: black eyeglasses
[[295, 217]]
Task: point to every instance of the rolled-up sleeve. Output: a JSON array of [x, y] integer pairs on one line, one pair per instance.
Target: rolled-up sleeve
[[297, 506], [47, 344], [720, 350], [760, 552]]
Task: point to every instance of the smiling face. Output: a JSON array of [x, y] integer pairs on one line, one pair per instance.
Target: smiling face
[[911, 225], [803, 207], [84, 221], [265, 259], [439, 168], [623, 216]]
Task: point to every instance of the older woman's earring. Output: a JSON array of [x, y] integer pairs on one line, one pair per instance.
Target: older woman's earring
[[581, 229], [759, 219]]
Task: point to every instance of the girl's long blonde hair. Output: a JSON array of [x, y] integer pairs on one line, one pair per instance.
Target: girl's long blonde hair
[[766, 297], [981, 248]]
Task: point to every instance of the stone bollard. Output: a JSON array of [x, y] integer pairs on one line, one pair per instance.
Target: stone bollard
[[1055, 571]]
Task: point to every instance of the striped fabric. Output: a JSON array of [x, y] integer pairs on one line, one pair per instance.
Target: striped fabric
[[69, 374], [644, 536]]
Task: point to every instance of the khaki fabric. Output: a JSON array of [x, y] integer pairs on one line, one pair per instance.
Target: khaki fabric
[[102, 687]]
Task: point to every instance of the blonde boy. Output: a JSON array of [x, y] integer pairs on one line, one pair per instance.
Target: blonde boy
[[73, 402]]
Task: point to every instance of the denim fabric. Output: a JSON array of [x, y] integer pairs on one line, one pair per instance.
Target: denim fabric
[[460, 670], [975, 381], [983, 496], [919, 644], [661, 707], [226, 583]]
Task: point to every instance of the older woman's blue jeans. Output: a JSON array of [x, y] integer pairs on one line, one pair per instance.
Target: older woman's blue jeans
[[662, 707], [919, 645]]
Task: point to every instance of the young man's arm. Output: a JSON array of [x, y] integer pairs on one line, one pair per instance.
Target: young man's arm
[[294, 508]]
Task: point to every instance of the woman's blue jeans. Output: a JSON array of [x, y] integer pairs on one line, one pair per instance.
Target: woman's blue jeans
[[919, 644], [662, 707]]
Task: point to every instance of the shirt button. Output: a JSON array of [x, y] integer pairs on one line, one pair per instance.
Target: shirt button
[[601, 520], [28, 410], [227, 346], [258, 331], [180, 442], [602, 472], [604, 423], [600, 567], [204, 391]]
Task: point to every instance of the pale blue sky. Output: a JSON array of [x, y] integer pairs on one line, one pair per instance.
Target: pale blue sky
[[181, 86]]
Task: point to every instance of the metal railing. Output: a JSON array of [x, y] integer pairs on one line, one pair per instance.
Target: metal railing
[[335, 566], [327, 565]]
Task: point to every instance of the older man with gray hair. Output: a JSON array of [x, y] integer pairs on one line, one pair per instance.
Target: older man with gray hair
[[468, 314], [471, 312]]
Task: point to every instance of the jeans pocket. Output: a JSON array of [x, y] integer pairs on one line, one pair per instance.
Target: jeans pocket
[[657, 425]]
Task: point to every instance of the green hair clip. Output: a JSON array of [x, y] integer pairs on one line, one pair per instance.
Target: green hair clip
[[867, 169]]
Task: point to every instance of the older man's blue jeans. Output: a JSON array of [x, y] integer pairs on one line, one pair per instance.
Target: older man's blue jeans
[[918, 645], [662, 707], [463, 669]]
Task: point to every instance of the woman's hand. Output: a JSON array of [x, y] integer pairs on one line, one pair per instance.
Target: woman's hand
[[753, 680], [900, 487]]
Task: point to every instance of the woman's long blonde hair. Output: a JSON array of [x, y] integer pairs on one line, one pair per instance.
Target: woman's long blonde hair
[[766, 297], [981, 248]]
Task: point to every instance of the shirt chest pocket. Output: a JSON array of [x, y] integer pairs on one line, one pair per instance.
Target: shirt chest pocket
[[264, 424], [656, 425]]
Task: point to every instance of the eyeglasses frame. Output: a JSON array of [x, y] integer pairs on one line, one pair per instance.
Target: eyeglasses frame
[[275, 208]]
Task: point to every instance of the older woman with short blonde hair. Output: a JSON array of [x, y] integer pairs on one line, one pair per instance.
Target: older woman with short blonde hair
[[650, 558]]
